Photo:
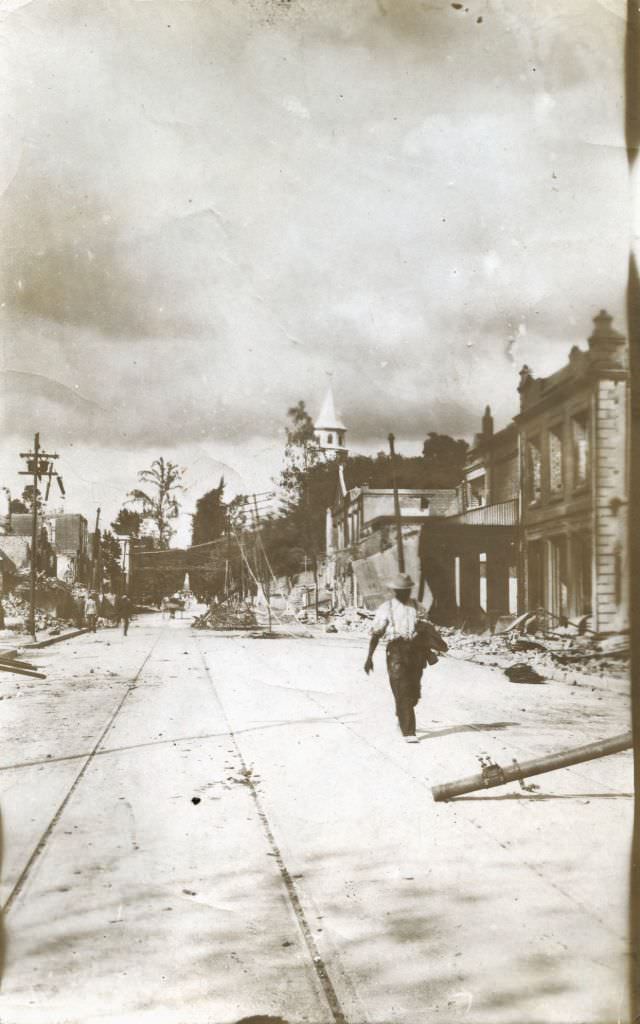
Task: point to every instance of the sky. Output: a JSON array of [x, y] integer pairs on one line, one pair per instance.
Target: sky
[[209, 208]]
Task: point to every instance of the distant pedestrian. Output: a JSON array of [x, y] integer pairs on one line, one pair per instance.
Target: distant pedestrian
[[91, 613], [411, 644], [125, 609]]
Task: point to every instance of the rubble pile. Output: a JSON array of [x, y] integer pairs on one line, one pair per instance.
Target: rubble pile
[[352, 621], [563, 655], [224, 617], [16, 616]]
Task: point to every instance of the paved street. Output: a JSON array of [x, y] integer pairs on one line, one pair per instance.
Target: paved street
[[202, 827]]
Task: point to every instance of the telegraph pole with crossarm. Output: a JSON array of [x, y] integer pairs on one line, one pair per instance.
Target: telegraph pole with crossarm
[[39, 467]]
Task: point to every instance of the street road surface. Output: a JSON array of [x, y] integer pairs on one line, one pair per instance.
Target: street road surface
[[201, 827]]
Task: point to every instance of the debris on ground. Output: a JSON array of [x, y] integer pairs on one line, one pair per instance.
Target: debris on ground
[[547, 650], [533, 647], [564, 654], [523, 673]]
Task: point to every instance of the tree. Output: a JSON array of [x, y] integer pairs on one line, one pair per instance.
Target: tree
[[159, 503], [299, 453], [21, 507], [302, 514], [127, 522], [18, 507], [111, 562], [444, 459], [309, 485], [209, 519]]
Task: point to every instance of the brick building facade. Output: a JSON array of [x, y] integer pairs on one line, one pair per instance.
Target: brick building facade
[[69, 535]]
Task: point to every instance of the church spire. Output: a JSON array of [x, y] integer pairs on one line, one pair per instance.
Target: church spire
[[329, 429]]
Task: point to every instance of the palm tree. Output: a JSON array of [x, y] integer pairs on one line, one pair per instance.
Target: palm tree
[[159, 502]]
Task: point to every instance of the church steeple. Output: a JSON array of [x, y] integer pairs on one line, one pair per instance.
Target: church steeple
[[329, 429]]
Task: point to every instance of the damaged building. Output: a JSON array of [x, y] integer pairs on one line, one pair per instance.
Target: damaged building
[[469, 559], [572, 430], [70, 538], [538, 522], [542, 521], [361, 538]]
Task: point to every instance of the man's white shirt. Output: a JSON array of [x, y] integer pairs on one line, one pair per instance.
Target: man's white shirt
[[395, 620]]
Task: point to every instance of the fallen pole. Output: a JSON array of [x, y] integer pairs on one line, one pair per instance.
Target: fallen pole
[[12, 662], [22, 671], [56, 639], [494, 775]]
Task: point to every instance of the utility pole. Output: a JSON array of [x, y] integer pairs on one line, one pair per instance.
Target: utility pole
[[131, 554], [265, 582], [243, 586], [227, 567], [310, 537], [96, 552], [34, 537], [9, 499], [39, 465], [396, 503]]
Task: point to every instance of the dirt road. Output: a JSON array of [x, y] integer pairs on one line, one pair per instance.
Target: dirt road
[[201, 827]]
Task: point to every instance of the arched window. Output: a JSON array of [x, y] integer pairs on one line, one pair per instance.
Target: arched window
[[329, 438]]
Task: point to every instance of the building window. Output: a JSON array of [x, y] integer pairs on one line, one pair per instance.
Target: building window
[[329, 438], [580, 449], [534, 470], [556, 477]]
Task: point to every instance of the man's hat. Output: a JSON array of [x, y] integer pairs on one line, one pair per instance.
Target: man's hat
[[401, 582]]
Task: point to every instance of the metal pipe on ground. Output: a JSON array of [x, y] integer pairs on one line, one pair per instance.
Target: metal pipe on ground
[[494, 775]]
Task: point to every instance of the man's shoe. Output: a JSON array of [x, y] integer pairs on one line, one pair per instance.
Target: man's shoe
[[411, 739]]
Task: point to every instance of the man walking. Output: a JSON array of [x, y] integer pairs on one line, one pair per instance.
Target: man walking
[[411, 644], [124, 612], [91, 612]]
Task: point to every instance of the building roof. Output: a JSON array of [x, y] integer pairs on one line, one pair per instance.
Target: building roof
[[606, 354], [328, 418]]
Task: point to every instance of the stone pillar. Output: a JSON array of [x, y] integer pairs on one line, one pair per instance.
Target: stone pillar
[[437, 586], [469, 583], [608, 461], [497, 583], [329, 531]]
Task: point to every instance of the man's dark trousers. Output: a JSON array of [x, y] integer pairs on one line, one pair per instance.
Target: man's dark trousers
[[405, 665]]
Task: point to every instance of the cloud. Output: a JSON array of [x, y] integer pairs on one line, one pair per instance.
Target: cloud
[[209, 206]]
